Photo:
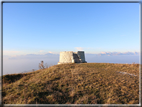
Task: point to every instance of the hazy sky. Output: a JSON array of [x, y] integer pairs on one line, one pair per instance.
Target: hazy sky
[[31, 28], [42, 28]]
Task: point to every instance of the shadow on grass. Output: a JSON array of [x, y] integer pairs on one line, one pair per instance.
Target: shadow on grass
[[10, 78]]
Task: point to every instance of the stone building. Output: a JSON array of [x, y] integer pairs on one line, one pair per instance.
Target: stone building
[[72, 57]]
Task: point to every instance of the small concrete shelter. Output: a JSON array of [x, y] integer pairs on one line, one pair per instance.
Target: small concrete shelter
[[72, 57]]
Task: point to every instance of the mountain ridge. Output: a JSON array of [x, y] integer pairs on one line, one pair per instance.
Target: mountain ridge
[[85, 83]]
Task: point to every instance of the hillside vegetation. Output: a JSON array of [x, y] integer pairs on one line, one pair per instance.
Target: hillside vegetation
[[86, 83]]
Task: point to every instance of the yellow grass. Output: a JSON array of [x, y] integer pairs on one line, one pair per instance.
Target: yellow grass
[[86, 83]]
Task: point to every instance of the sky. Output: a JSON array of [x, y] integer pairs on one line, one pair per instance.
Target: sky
[[40, 31]]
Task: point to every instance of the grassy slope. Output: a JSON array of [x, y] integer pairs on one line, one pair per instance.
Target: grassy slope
[[87, 83]]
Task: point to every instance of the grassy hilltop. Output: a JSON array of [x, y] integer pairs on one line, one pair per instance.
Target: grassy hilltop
[[86, 83]]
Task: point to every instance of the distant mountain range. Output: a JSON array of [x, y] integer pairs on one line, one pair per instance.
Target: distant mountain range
[[117, 53], [56, 56]]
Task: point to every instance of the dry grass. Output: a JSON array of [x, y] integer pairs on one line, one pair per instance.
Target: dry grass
[[86, 83]]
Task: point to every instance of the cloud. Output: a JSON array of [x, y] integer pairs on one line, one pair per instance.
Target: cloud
[[41, 50], [79, 48], [8, 52], [103, 52], [50, 52], [11, 52], [48, 56]]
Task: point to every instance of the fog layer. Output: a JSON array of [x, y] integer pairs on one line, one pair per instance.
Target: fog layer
[[25, 63]]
